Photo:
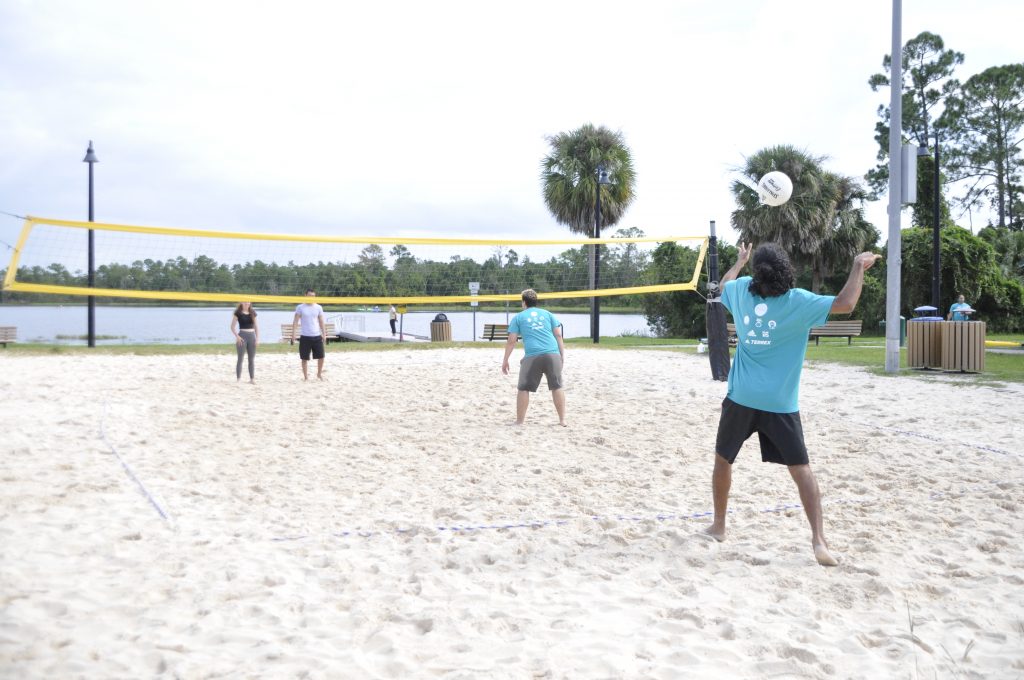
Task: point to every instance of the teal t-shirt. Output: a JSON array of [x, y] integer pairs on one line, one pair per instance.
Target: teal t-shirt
[[958, 315], [536, 327], [771, 342]]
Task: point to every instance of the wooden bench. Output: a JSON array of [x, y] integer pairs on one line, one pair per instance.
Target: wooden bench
[[8, 334], [495, 331], [286, 332], [831, 329], [836, 329]]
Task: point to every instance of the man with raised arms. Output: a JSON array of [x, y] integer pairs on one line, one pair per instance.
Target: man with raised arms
[[772, 323]]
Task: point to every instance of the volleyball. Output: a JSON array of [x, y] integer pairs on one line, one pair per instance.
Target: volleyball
[[775, 188]]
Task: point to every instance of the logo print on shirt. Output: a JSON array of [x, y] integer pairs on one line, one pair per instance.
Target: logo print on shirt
[[536, 322], [759, 310]]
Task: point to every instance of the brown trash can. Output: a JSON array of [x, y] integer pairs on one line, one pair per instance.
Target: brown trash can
[[924, 343], [440, 329], [963, 346]]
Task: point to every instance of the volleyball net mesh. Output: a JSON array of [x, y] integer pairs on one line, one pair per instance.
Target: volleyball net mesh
[[159, 263]]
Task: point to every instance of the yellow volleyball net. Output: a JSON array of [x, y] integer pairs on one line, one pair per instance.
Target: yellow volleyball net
[[200, 265]]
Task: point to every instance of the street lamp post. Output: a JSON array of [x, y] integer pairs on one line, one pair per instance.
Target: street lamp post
[[936, 258], [595, 302], [90, 158]]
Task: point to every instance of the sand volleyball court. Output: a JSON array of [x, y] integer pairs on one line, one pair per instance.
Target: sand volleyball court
[[157, 519]]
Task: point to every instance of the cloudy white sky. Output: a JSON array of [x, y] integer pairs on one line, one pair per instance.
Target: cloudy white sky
[[412, 118]]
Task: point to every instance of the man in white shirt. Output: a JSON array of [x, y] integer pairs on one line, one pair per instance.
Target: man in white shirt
[[313, 334]]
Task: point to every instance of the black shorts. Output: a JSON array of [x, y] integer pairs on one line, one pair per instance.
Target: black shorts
[[781, 434], [311, 343]]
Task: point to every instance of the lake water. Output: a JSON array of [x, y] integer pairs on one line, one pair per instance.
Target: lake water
[[199, 325]]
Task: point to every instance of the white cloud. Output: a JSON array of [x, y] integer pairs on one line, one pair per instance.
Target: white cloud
[[430, 118]]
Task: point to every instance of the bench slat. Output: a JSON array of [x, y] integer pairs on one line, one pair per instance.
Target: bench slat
[[286, 331], [830, 329], [495, 331]]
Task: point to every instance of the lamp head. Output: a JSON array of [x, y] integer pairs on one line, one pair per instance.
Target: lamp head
[[90, 155]]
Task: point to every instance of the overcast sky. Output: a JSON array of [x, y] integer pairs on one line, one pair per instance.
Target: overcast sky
[[430, 118]]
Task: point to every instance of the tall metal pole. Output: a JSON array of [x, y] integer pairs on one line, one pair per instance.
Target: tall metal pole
[[595, 320], [90, 158], [713, 255], [894, 263], [936, 257]]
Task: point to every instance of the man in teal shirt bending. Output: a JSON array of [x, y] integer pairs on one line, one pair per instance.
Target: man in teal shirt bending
[[545, 353], [772, 323]]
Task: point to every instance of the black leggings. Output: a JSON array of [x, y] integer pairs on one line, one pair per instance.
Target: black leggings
[[248, 346]]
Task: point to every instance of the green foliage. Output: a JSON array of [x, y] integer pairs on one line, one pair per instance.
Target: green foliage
[[927, 70], [969, 268], [1009, 248], [679, 314], [570, 177], [822, 226], [985, 120]]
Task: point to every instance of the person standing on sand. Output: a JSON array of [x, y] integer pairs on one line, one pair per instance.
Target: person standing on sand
[[247, 338], [545, 354], [313, 334], [772, 323]]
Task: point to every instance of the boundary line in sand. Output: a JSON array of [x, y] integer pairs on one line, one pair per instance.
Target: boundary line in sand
[[545, 523], [540, 524], [127, 469]]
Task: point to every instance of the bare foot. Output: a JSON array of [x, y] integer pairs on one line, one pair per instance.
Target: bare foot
[[516, 423], [563, 423], [715, 532], [252, 382], [824, 557]]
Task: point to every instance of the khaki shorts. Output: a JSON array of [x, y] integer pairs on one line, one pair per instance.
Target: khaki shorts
[[532, 368]]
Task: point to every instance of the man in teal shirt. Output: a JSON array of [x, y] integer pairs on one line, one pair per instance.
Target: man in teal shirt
[[959, 311], [545, 353], [772, 323]]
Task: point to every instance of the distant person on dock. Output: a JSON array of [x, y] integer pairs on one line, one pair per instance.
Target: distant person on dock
[[246, 330], [545, 354], [313, 335]]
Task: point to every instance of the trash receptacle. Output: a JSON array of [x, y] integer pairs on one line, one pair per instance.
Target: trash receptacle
[[924, 342], [903, 329], [440, 329], [963, 346]]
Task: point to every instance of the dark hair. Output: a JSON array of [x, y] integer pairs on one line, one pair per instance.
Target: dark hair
[[310, 290], [530, 297], [773, 272], [238, 310]]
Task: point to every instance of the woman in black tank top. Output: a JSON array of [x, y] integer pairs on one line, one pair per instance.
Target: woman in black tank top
[[247, 336]]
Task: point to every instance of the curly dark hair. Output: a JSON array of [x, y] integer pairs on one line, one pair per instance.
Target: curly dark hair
[[773, 272]]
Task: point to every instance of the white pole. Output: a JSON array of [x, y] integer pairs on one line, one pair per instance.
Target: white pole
[[893, 258]]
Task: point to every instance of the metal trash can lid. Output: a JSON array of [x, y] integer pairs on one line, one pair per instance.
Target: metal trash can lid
[[441, 317]]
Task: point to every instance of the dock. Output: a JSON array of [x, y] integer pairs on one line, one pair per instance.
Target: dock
[[349, 336]]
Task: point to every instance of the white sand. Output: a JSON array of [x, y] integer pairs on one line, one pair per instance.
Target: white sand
[[368, 474]]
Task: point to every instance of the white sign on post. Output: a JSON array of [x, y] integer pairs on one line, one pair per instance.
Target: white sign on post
[[474, 289]]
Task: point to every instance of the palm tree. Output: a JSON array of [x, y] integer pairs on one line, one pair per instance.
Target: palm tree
[[570, 176], [822, 226]]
